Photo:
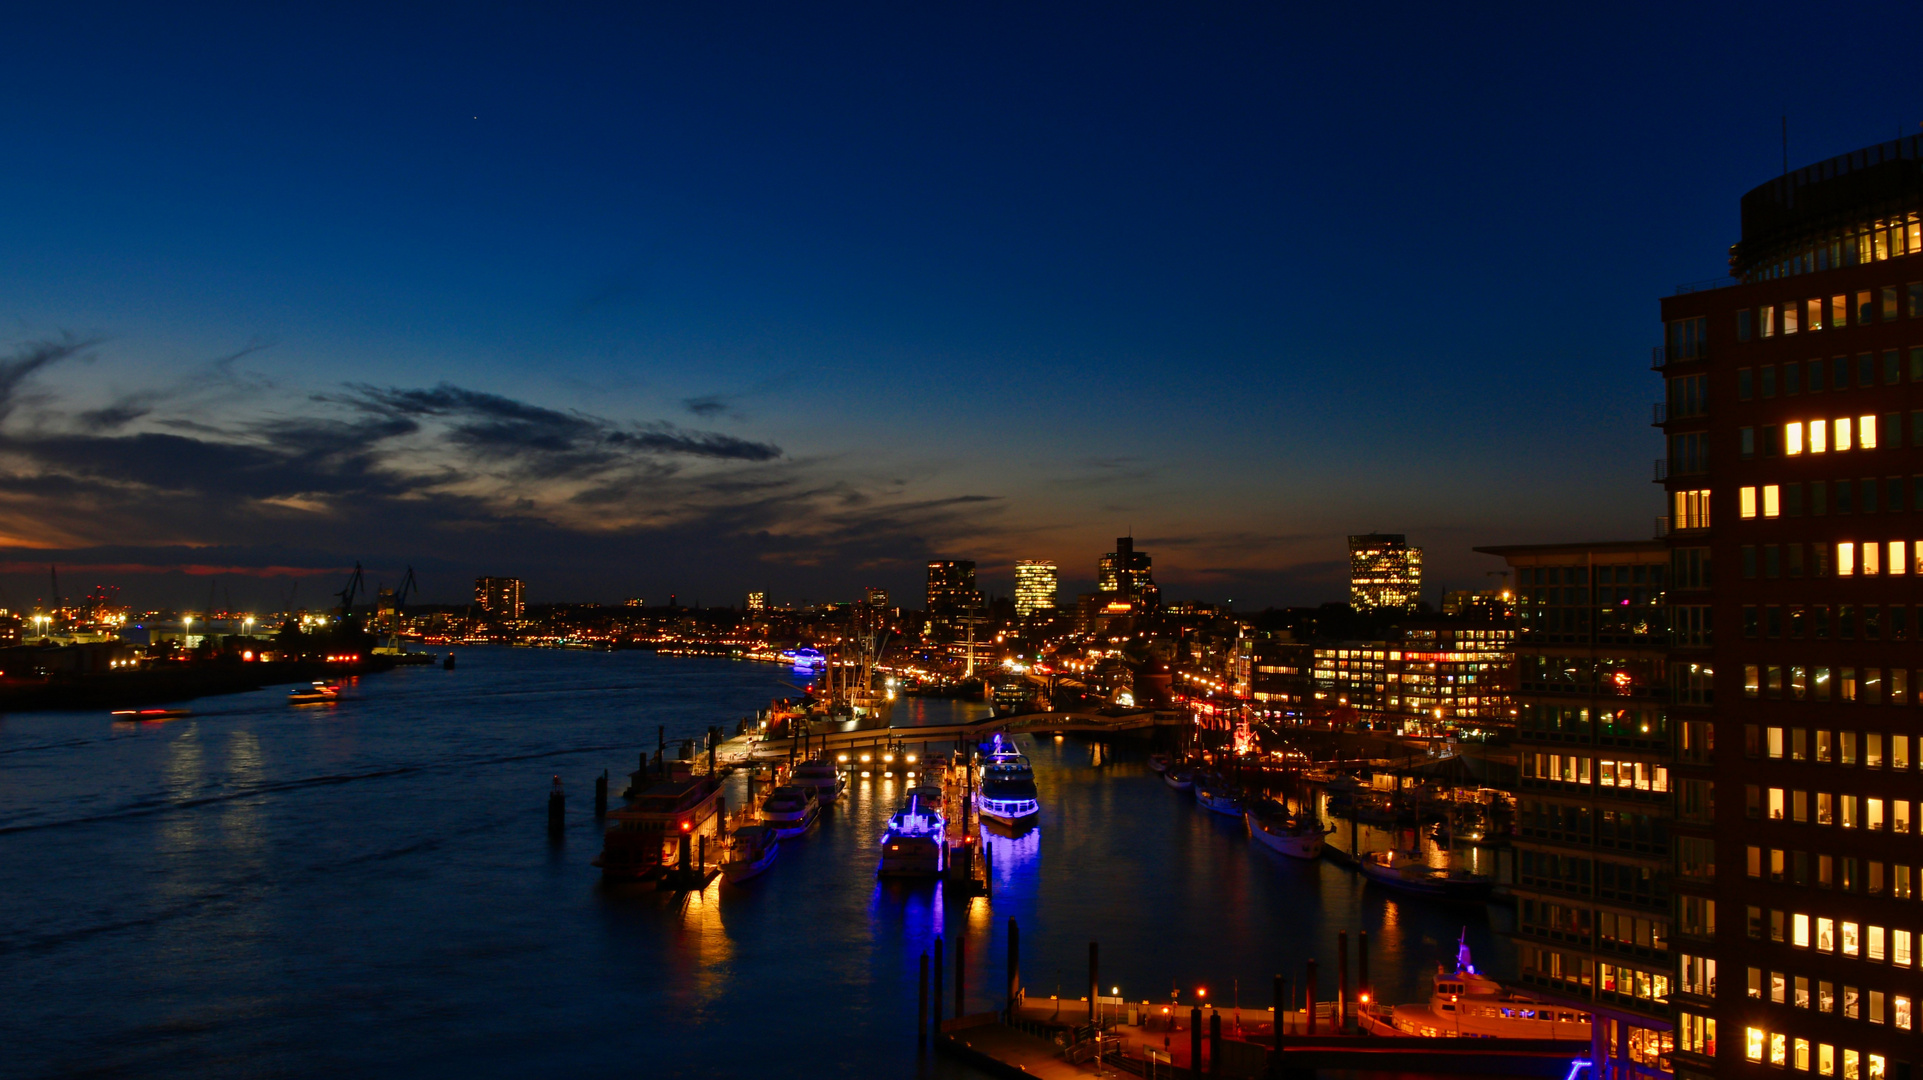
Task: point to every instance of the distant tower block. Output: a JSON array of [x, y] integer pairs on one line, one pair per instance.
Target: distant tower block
[[757, 602], [1036, 583], [1385, 573], [499, 596]]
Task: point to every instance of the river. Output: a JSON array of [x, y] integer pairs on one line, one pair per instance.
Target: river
[[368, 889]]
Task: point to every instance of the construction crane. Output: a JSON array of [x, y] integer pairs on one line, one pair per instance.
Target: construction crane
[[356, 585]]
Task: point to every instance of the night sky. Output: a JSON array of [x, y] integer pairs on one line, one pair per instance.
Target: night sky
[[794, 297]]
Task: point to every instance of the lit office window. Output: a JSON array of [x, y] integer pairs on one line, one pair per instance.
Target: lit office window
[[1746, 502], [1793, 437], [1845, 558], [1872, 560], [1772, 501], [1818, 436], [1899, 564], [1842, 433], [1865, 432]]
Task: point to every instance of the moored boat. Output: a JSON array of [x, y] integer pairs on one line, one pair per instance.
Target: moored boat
[[1158, 763], [1214, 792], [1179, 777], [822, 777], [752, 850], [646, 833], [1464, 1003], [1298, 836], [1007, 794], [790, 810], [916, 841], [1406, 871]]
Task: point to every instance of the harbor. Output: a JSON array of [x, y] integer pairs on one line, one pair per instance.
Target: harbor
[[418, 801]]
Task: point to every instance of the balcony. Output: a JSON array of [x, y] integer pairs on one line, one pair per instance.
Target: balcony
[[1659, 414], [1661, 470], [1656, 357], [1662, 527]]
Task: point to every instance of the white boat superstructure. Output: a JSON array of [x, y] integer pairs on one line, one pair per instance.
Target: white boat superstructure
[[1465, 1003]]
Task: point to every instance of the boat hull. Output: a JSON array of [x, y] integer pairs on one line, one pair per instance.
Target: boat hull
[[748, 868], [1425, 884], [1226, 805], [786, 827], [1179, 783], [910, 857], [1295, 843]]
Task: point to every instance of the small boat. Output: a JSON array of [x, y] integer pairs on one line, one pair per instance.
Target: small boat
[[916, 841], [1406, 871], [318, 694], [790, 810], [139, 715], [1297, 836], [751, 851], [1465, 1003], [1179, 777], [1343, 784], [1158, 763], [1215, 793], [820, 776], [448, 664]]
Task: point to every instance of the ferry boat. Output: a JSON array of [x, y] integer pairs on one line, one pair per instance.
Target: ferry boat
[[1406, 871], [1215, 793], [916, 842], [1179, 777], [1298, 836], [790, 810], [1009, 693], [1465, 1003], [317, 694], [647, 832], [822, 777], [752, 850], [804, 658], [1007, 795]]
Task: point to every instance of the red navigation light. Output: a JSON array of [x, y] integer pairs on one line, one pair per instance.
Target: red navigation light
[[1201, 992], [685, 826]]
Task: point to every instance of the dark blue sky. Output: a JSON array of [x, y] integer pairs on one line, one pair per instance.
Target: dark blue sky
[[788, 297]]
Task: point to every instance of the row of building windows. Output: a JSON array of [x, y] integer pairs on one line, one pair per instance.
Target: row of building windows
[[1611, 930], [1834, 312], [1871, 877], [1565, 823], [1836, 373], [1548, 965], [1868, 495], [1858, 245], [1581, 875], [1853, 1003], [1855, 1064], [1797, 621], [1812, 682], [1604, 772], [1822, 808], [1628, 723], [1869, 558], [1827, 747], [1846, 938]]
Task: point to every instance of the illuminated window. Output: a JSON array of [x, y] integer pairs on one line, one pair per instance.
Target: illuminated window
[[1799, 930], [1802, 1055], [1753, 1043], [1746, 502], [1778, 1049], [1872, 559], [1850, 931], [1852, 1065], [1845, 558], [1900, 1012], [1793, 437], [1842, 433], [1772, 501], [1825, 935], [1825, 1059], [1865, 433], [1691, 509], [1899, 564]]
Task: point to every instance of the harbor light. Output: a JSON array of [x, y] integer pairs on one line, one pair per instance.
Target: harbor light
[[843, 758]]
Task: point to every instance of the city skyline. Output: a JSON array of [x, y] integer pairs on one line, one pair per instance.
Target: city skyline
[[573, 296]]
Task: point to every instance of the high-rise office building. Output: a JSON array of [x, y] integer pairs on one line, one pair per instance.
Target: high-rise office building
[[875, 597], [1792, 457], [499, 596], [1035, 587], [951, 587], [1385, 573], [757, 602], [1128, 573], [1597, 796]]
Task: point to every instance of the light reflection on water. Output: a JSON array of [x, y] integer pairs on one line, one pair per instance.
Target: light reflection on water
[[369, 890]]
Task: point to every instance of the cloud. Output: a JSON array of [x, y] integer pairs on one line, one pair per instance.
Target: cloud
[[30, 358], [708, 405]]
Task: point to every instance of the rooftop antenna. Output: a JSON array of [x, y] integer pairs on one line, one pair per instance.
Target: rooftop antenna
[[1785, 144]]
